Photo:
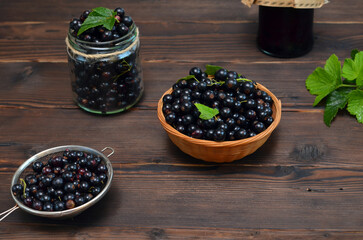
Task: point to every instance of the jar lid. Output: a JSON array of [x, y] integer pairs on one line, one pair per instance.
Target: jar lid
[[287, 3]]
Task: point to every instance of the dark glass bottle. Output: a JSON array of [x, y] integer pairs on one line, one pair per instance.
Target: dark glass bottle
[[285, 32]]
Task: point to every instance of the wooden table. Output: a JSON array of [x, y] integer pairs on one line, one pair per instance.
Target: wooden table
[[304, 183]]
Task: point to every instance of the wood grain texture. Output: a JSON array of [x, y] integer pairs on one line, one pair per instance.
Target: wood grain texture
[[47, 85], [240, 200], [179, 42], [164, 10], [28, 131], [304, 183]]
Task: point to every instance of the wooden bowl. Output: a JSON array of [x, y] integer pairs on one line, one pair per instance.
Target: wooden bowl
[[220, 152]]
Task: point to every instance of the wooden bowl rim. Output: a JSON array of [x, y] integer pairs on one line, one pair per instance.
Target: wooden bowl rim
[[268, 131]]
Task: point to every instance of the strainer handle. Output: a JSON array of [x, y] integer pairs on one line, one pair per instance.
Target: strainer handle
[[8, 212], [109, 148]]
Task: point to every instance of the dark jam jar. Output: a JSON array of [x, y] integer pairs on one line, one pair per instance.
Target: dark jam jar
[[285, 32], [106, 77]]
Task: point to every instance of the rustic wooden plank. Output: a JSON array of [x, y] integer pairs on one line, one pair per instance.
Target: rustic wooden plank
[[179, 42], [138, 138], [242, 199], [47, 85], [113, 232], [187, 10]]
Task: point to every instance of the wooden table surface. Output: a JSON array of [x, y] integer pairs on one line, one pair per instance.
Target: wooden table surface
[[306, 182]]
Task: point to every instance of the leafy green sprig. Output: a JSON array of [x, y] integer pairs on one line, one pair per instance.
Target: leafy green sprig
[[99, 16], [206, 112], [341, 87]]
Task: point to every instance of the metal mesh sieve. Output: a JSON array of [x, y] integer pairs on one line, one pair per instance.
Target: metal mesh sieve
[[44, 156]]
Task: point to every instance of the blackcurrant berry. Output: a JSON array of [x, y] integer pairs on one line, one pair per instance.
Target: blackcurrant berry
[[268, 111], [268, 121], [120, 12], [75, 24], [241, 134], [240, 97], [17, 189], [88, 197], [185, 107], [95, 190], [230, 135], [37, 205], [219, 135], [198, 133], [95, 181], [69, 196], [57, 183], [122, 29], [228, 102], [31, 179], [187, 119], [202, 86], [196, 71], [28, 201], [170, 118], [251, 103], [127, 20], [267, 99], [69, 187], [37, 166], [225, 112], [103, 178], [259, 127], [58, 206], [230, 84], [168, 98], [250, 114], [221, 74], [248, 87]]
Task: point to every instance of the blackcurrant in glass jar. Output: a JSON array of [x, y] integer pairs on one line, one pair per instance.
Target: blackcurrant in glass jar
[[106, 76], [285, 32]]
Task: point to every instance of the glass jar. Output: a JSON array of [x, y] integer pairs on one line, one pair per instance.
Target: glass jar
[[285, 31], [106, 77]]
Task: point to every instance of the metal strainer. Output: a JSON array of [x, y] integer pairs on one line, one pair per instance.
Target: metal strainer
[[43, 157]]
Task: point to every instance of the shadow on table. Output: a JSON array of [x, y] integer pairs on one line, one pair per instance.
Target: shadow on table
[[90, 217], [192, 165]]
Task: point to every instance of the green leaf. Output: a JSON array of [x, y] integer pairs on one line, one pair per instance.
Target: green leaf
[[321, 83], [188, 78], [99, 16], [109, 22], [353, 53], [349, 69], [359, 64], [336, 100], [206, 112], [355, 104], [353, 69], [101, 11], [333, 67], [211, 69]]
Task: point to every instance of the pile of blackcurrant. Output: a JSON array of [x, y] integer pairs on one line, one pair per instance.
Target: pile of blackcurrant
[[64, 182], [100, 33], [243, 110], [106, 84]]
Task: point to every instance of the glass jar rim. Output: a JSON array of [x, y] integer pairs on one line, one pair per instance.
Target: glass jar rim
[[104, 45]]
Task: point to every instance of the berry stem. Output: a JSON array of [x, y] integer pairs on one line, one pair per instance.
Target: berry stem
[[127, 70], [243, 79], [347, 85], [24, 186]]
